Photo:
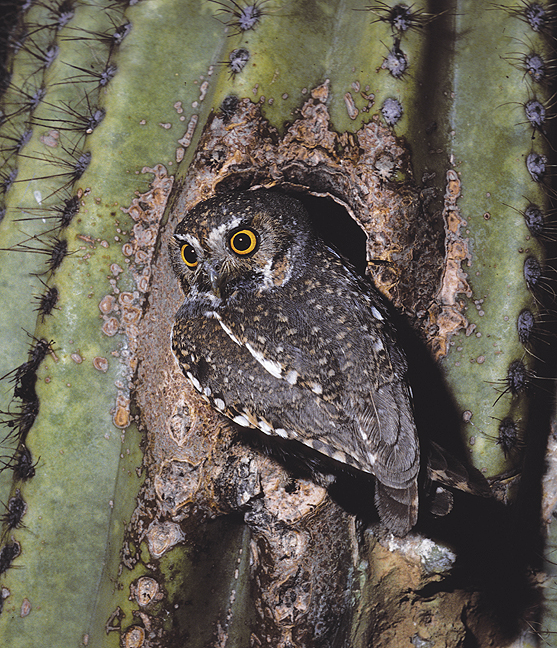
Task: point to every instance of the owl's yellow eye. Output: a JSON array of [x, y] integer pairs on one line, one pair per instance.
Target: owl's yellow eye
[[189, 255], [244, 242]]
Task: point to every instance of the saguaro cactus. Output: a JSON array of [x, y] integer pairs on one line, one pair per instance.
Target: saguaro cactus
[[136, 517]]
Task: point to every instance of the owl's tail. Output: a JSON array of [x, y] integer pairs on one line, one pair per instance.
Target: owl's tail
[[398, 507]]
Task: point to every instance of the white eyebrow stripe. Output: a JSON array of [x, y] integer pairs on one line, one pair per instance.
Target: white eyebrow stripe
[[188, 238], [215, 237]]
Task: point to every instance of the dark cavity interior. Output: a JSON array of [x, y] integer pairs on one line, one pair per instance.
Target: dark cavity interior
[[337, 228]]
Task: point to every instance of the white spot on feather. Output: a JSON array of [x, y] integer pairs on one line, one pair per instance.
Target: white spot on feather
[[292, 376], [264, 426], [376, 313], [282, 433], [339, 456], [219, 404], [194, 381], [274, 368], [316, 388], [241, 420], [378, 346]]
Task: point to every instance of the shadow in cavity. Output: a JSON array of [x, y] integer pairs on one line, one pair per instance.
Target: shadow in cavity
[[337, 228]]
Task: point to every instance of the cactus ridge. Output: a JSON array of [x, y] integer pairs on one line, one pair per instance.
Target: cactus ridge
[[20, 422], [538, 16], [21, 463], [80, 117], [15, 510], [82, 121], [80, 113], [238, 59], [61, 214], [401, 17], [44, 54], [8, 554], [36, 98], [509, 437], [111, 38], [46, 302], [7, 178], [54, 248], [27, 99], [100, 77], [13, 144], [72, 168]]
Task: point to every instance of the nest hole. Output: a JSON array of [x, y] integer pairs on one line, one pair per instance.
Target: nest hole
[[337, 228]]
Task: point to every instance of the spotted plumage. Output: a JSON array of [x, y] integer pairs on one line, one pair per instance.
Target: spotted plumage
[[277, 332]]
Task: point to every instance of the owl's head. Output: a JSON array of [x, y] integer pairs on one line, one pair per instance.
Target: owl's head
[[252, 240]]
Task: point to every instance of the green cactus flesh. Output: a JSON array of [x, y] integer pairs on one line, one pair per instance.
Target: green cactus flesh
[[496, 191], [113, 119]]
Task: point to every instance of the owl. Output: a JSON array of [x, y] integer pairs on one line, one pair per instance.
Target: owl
[[278, 332]]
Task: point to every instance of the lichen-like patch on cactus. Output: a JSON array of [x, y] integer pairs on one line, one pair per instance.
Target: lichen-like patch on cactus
[[447, 312], [120, 310]]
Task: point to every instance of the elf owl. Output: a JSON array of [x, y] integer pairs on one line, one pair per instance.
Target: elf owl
[[279, 333]]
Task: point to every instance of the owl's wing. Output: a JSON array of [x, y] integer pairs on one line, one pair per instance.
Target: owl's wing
[[303, 384], [387, 416], [339, 361]]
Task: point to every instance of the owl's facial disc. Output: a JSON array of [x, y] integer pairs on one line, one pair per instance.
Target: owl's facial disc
[[256, 242], [242, 243], [220, 261]]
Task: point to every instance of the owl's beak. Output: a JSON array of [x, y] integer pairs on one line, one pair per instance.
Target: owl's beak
[[215, 279]]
